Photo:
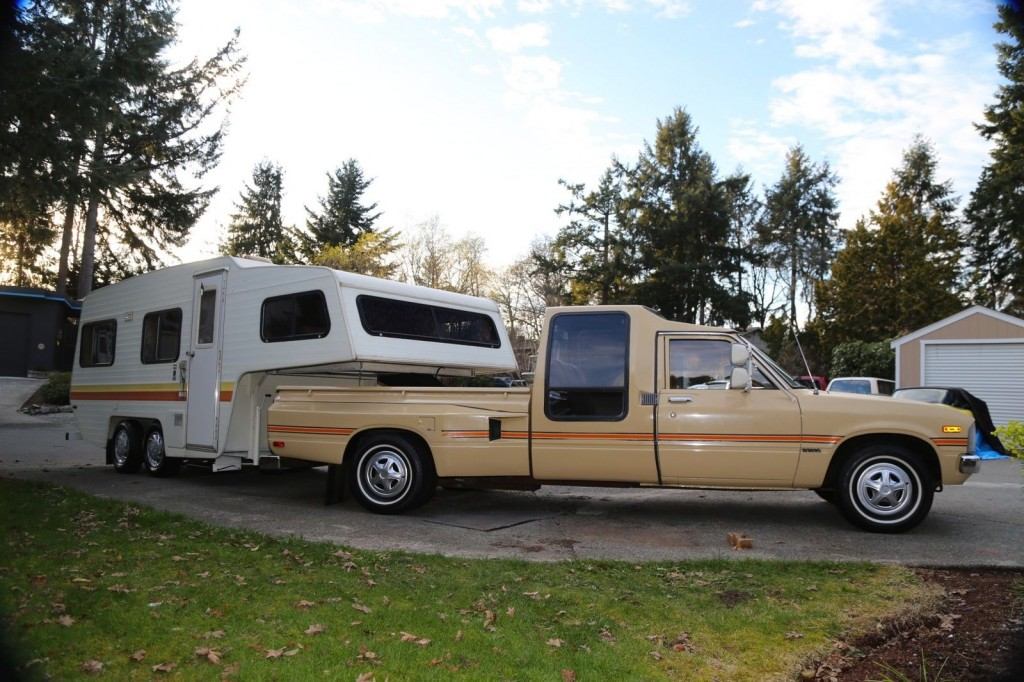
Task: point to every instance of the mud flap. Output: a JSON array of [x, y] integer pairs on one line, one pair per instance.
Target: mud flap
[[335, 484]]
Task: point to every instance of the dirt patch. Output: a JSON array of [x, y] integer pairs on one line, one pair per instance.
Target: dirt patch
[[975, 634], [733, 597]]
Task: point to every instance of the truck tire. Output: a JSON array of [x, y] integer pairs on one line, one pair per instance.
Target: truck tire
[[157, 462], [828, 495], [885, 488], [390, 474], [126, 448]]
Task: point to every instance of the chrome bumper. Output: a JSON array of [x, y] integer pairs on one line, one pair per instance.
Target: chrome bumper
[[970, 464]]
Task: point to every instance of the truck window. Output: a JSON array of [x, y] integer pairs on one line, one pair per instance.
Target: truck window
[[421, 322], [98, 339], [295, 317], [161, 336], [705, 364], [588, 362]]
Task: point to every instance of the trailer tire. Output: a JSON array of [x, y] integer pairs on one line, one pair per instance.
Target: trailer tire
[[885, 488], [157, 462], [391, 474], [126, 448]]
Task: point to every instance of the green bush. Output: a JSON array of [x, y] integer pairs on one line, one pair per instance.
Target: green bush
[[57, 389], [863, 359], [1012, 437]]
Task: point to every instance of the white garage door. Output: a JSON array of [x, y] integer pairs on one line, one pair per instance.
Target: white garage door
[[992, 371]]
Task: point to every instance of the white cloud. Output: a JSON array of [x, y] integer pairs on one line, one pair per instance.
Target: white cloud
[[518, 38], [848, 32], [756, 149], [671, 9], [744, 23], [533, 6], [378, 10]]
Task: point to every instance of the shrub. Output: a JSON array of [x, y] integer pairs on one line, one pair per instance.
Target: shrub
[[863, 359], [57, 389], [1012, 437]]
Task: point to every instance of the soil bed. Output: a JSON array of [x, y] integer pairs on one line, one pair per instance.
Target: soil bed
[[975, 634]]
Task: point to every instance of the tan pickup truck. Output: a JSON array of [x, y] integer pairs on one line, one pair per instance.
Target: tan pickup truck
[[623, 396]]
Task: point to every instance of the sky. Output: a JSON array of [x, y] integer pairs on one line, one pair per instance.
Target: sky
[[472, 110]]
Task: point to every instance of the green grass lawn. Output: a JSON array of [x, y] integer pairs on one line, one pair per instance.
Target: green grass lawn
[[88, 582]]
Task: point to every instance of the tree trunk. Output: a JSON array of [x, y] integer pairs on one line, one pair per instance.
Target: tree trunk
[[65, 247], [91, 217]]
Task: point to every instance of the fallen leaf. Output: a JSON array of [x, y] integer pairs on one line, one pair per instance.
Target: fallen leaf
[[367, 655], [315, 629], [532, 595], [510, 612], [656, 655], [420, 569], [568, 675], [139, 656], [362, 608], [80, 580], [123, 589], [212, 655], [682, 642], [556, 642], [66, 620], [458, 636], [291, 652], [303, 604], [274, 653], [489, 618], [794, 635], [365, 677], [342, 554], [607, 636], [213, 634], [92, 667], [164, 667]]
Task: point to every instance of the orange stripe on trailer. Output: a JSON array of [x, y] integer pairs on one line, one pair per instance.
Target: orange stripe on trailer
[[164, 396]]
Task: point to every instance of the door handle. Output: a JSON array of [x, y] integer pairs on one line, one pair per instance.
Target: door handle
[[680, 399]]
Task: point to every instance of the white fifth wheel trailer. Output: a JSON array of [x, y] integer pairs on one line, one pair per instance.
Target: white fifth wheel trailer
[[182, 363]]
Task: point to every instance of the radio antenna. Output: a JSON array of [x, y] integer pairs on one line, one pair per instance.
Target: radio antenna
[[796, 337]]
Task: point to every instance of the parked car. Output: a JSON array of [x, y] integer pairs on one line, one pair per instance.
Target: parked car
[[862, 385], [813, 381]]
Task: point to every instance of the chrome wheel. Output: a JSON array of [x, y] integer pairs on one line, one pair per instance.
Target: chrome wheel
[[885, 488], [154, 450], [122, 447], [384, 474]]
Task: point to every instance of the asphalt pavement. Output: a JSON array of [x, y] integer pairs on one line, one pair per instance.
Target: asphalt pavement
[[977, 524]]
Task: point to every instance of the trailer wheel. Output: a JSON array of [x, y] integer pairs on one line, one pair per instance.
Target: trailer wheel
[[885, 488], [391, 474], [157, 461], [126, 449]]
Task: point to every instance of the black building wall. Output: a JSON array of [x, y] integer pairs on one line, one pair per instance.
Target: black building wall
[[37, 331]]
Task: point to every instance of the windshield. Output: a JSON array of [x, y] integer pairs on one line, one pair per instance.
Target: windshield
[[765, 361]]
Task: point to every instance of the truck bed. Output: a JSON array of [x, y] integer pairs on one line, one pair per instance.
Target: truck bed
[[317, 424]]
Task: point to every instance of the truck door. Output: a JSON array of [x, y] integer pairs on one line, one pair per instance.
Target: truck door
[[588, 423], [711, 434], [204, 361]]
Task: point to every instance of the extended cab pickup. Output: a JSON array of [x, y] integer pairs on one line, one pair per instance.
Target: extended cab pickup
[[624, 396]]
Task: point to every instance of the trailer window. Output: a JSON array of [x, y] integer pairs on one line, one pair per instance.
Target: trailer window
[[161, 336], [588, 366], [98, 340], [407, 320], [295, 317]]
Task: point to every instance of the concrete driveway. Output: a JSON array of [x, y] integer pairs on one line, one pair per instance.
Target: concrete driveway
[[975, 524]]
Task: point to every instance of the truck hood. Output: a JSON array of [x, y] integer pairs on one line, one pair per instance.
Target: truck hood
[[851, 413]]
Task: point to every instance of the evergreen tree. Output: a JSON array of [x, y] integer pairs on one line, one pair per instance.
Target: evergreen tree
[[678, 213], [342, 217], [594, 240], [257, 228], [996, 210], [899, 270], [125, 136], [798, 230]]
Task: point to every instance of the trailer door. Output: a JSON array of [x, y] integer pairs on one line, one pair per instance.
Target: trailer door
[[204, 361]]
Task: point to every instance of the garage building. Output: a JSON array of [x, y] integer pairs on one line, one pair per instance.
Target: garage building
[[978, 349], [37, 331]]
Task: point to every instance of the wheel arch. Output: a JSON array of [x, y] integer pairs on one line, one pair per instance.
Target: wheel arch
[[359, 437], [848, 448]]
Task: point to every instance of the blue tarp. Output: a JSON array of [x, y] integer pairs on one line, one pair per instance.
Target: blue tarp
[[983, 449]]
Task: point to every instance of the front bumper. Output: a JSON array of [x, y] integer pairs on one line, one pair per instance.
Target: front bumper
[[970, 464]]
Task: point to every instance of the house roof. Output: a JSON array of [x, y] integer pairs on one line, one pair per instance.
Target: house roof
[[963, 314], [40, 294]]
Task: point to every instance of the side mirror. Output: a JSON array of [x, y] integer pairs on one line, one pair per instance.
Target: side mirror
[[740, 355], [740, 378]]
